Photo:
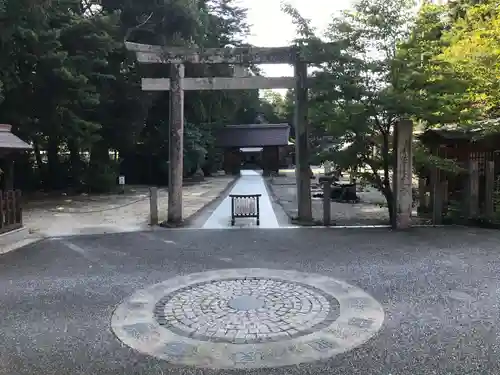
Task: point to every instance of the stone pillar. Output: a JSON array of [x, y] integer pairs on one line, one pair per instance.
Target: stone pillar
[[302, 171], [176, 147], [403, 172], [153, 205]]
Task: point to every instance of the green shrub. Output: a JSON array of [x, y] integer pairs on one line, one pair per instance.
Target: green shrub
[[102, 177]]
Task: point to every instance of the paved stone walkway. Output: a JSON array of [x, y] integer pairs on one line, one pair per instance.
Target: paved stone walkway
[[250, 182], [115, 213]]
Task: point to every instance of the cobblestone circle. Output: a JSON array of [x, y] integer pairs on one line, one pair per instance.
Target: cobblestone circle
[[246, 310], [247, 318]]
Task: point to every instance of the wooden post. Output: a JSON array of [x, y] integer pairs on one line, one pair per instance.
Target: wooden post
[[11, 208], [302, 144], [267, 160], [422, 195], [489, 186], [327, 189], [153, 205], [9, 173], [403, 172], [176, 140], [473, 190], [19, 207], [446, 195], [437, 204]]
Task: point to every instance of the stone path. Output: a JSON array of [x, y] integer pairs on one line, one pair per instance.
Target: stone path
[[250, 182], [114, 213]]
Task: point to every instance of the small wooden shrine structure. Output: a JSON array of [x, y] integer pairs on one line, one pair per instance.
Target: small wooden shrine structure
[[474, 186], [261, 145], [10, 199]]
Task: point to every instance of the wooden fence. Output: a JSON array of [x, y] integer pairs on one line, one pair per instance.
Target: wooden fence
[[474, 198], [11, 216]]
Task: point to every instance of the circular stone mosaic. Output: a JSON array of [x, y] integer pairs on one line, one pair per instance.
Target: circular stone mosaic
[[246, 310], [247, 318]]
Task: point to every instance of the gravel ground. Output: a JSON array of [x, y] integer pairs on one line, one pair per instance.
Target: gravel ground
[[438, 286], [371, 210], [114, 213]]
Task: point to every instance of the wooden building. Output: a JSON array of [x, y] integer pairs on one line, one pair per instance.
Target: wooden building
[[256, 145], [10, 199], [477, 154]]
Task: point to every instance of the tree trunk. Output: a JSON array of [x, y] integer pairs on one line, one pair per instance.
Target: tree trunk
[[389, 197], [99, 153], [387, 187], [38, 155], [75, 163]]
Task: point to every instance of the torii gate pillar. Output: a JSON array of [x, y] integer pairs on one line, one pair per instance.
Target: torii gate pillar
[[302, 169], [177, 56], [176, 144]]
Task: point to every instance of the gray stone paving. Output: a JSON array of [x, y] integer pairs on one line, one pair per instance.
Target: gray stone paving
[[246, 310], [226, 314]]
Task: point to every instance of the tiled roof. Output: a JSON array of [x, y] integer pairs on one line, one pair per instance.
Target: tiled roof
[[10, 141], [253, 135]]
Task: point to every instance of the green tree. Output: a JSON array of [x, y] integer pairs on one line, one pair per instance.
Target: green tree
[[372, 79], [68, 85], [274, 107], [473, 47], [45, 69]]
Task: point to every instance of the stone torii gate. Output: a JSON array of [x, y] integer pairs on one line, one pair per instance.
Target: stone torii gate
[[177, 84]]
